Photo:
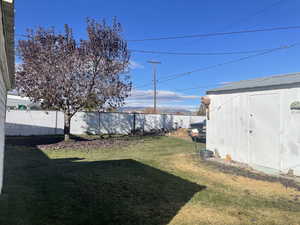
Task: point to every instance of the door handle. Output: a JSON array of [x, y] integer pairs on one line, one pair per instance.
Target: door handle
[[250, 131]]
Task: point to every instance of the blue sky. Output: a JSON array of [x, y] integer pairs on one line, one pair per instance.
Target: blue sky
[[157, 18]]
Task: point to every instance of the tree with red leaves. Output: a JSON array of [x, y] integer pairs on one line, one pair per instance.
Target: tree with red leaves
[[69, 75]]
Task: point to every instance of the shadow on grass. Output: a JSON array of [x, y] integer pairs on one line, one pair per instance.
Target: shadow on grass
[[34, 140], [38, 190]]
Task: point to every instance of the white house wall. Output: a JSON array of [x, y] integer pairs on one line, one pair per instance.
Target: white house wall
[[228, 128], [2, 129], [6, 68]]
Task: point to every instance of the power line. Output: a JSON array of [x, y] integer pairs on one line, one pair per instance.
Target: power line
[[196, 88], [261, 11], [178, 75], [175, 76], [200, 53], [251, 15], [216, 53], [185, 89], [216, 34], [243, 19], [207, 34]]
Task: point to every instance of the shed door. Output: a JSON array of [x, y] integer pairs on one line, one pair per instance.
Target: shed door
[[264, 128]]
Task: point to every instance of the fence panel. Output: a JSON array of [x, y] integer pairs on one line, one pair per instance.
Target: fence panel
[[25, 123], [116, 123]]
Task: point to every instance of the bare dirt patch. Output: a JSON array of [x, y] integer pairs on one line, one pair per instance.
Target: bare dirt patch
[[181, 133], [76, 143], [90, 144]]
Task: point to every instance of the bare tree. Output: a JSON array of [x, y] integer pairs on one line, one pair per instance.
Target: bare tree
[[69, 75]]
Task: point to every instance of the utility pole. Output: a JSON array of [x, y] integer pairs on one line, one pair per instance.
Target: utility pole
[[154, 63]]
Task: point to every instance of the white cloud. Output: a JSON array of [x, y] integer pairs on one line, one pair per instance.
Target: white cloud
[[161, 95], [135, 65], [225, 82], [170, 99]]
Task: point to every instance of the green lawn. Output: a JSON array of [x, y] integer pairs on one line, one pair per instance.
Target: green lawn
[[158, 181]]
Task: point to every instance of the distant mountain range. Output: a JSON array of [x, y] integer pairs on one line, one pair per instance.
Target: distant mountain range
[[161, 110]]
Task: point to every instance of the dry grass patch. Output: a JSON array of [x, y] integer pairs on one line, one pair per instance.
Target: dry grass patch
[[199, 215], [188, 164], [195, 214]]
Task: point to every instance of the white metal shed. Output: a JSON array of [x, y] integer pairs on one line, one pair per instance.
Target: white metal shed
[[257, 122]]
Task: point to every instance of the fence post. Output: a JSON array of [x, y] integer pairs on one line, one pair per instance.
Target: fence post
[[134, 123], [55, 130], [99, 122]]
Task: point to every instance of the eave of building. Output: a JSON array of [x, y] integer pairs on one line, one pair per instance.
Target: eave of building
[[258, 84]]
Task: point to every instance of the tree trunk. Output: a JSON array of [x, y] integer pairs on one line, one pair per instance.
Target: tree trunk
[[67, 126]]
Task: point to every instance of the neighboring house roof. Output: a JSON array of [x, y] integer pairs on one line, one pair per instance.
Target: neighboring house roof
[[8, 24], [270, 82]]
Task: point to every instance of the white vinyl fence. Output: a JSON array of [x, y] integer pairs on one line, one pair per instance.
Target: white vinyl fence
[[25, 123]]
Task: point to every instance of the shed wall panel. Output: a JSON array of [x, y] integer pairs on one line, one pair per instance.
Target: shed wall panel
[[228, 128]]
